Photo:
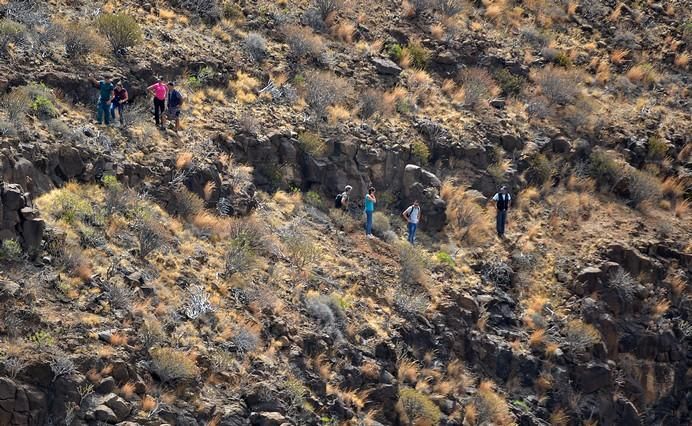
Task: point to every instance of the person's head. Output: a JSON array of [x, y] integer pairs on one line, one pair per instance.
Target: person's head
[[503, 189], [371, 190], [348, 188], [119, 85], [107, 78], [415, 203], [171, 85]]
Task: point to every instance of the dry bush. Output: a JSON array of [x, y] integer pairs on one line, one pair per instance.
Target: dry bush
[[644, 74], [328, 7], [243, 87], [491, 407], [412, 262], [172, 365], [344, 31], [343, 220], [239, 258], [380, 224], [151, 236], [209, 10], [417, 409], [477, 87], [16, 104], [121, 31], [303, 42], [10, 33], [449, 7], [619, 56], [312, 143], [580, 336], [413, 8], [187, 204], [256, 46], [682, 60], [323, 89], [301, 248], [468, 220], [151, 332], [81, 41], [558, 85], [644, 188]]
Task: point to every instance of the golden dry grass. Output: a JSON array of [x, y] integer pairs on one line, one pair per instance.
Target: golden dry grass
[[344, 31]]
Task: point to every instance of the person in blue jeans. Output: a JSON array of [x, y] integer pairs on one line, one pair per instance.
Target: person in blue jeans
[[370, 201], [103, 106], [412, 215], [120, 98], [503, 201]]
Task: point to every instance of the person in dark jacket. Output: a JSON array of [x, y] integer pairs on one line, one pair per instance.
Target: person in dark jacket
[[103, 105], [175, 101], [503, 201], [120, 98]]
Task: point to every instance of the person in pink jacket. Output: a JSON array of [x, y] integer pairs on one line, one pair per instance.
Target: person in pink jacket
[[159, 91]]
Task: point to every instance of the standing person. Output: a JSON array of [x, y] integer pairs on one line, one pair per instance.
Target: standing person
[[503, 202], [103, 107], [341, 201], [412, 215], [370, 201], [159, 91], [120, 97], [175, 101]]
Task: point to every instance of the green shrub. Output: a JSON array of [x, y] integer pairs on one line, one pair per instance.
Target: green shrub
[[323, 89], [10, 32], [171, 365], [540, 169], [121, 31], [208, 10], [510, 84], [72, 207], [301, 249], [563, 60], [418, 408], [10, 250], [657, 148], [445, 258], [395, 52], [420, 151], [314, 199], [43, 108], [605, 168], [418, 54], [312, 143], [42, 339], [477, 85]]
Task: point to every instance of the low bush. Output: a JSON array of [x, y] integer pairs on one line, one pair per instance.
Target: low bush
[[81, 41], [417, 54], [172, 365], [43, 108], [312, 143], [540, 169], [10, 32], [323, 89], [417, 408], [208, 10], [580, 336], [413, 8], [328, 7], [477, 87], [372, 102], [643, 187], [239, 258], [412, 262], [256, 46], [151, 236], [301, 249], [232, 11], [420, 152], [187, 204], [492, 408], [10, 251], [302, 42], [449, 7], [510, 84], [445, 258], [121, 31], [380, 223], [657, 148], [558, 85], [7, 128], [16, 103]]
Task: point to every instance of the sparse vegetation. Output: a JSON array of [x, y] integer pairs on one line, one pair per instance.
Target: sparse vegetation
[[172, 365], [121, 31], [417, 408]]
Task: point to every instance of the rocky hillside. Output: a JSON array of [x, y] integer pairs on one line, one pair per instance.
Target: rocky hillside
[[202, 277]]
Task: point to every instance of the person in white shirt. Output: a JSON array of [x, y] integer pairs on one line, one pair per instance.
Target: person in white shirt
[[412, 215], [503, 202]]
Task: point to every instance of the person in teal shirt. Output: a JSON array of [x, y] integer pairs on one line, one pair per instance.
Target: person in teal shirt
[[103, 106], [370, 201]]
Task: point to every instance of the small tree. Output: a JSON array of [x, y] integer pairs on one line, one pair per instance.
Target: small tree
[[121, 31]]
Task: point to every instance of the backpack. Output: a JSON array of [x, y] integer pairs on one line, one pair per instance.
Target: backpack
[[337, 200]]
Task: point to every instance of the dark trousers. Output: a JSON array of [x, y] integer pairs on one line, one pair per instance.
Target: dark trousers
[[159, 108], [412, 232], [501, 219], [119, 107]]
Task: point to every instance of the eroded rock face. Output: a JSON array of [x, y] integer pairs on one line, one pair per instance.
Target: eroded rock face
[[18, 219], [21, 405]]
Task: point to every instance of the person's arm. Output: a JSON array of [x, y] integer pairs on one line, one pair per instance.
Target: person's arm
[[406, 214], [93, 81], [126, 96], [111, 96]]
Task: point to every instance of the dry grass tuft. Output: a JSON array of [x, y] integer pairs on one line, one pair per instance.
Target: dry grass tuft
[[344, 31], [183, 160], [682, 60], [243, 87]]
